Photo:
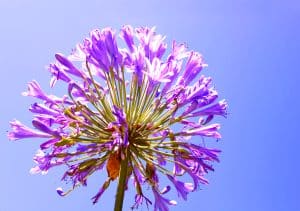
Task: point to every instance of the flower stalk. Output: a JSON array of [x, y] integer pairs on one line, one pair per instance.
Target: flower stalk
[[120, 193]]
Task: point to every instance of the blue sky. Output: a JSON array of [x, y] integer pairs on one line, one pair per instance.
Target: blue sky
[[252, 48]]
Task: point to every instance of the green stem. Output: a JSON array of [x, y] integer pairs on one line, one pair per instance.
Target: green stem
[[122, 184]]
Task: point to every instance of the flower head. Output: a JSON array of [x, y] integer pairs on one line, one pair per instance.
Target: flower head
[[129, 111]]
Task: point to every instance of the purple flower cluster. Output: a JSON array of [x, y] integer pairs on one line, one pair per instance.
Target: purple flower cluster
[[135, 104]]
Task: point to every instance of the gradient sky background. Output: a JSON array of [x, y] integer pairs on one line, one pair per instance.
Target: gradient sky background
[[252, 48]]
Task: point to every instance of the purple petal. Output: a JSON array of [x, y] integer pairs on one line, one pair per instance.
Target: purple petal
[[34, 90], [192, 69], [139, 198], [216, 109], [58, 74], [101, 191], [127, 35], [70, 68], [48, 143], [161, 203], [20, 131], [60, 191], [42, 127], [182, 188], [209, 131], [42, 109]]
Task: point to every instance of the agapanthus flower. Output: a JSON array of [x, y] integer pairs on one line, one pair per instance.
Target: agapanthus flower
[[137, 112]]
